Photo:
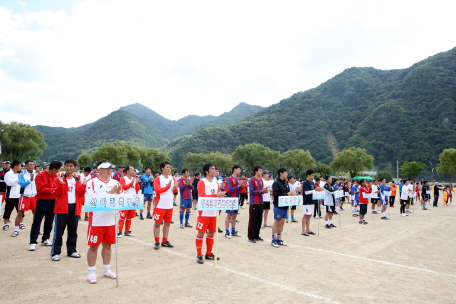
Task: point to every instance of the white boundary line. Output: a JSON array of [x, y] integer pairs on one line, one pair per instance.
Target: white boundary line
[[303, 293]]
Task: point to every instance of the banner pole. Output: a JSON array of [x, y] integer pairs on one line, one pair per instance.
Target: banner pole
[[289, 226], [318, 216], [340, 225], [216, 238], [117, 253]]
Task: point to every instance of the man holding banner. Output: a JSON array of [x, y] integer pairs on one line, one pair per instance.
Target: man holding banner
[[256, 204], [207, 219], [101, 228]]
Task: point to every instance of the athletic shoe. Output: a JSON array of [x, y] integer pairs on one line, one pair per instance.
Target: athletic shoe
[[21, 226], [242, 207], [252, 240], [167, 244], [15, 233], [321, 216], [355, 215], [74, 255], [315, 217], [220, 230], [235, 234], [172, 222], [119, 235], [287, 220], [342, 209], [335, 212], [384, 218], [157, 246], [281, 243], [188, 225], [403, 214], [6, 227], [406, 214], [274, 244], [174, 204], [238, 221], [181, 226], [211, 257], [200, 260], [141, 217], [379, 209], [46, 243], [129, 233], [149, 216], [32, 247], [86, 219], [327, 227], [55, 257], [294, 221], [227, 235], [374, 212], [332, 225], [259, 239], [425, 209]]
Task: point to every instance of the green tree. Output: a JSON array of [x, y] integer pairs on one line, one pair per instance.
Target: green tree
[[21, 141], [447, 161], [115, 154], [152, 159], [353, 160], [412, 169], [194, 161], [224, 162], [322, 169], [251, 155], [273, 162], [84, 159], [297, 160], [133, 155], [384, 174]]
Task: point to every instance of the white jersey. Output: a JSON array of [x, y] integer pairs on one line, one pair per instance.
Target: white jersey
[[132, 189], [267, 184], [164, 200], [209, 189], [82, 178], [71, 182], [374, 191], [30, 189], [405, 193], [97, 186], [12, 181]]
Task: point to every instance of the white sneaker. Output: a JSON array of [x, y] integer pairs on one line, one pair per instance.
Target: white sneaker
[[242, 207], [32, 247], [46, 243], [181, 226], [403, 214], [227, 235], [379, 209]]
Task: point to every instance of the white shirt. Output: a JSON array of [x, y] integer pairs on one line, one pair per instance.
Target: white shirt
[[410, 186], [164, 200], [405, 193], [83, 178], [97, 186], [71, 182], [374, 191], [210, 188], [131, 190], [267, 184], [12, 180], [30, 189]]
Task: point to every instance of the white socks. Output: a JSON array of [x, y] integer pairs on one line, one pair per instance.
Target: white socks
[[106, 269], [329, 222], [92, 271], [326, 223], [383, 214], [16, 228], [354, 210]]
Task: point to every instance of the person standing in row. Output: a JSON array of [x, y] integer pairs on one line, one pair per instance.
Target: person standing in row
[[130, 185], [256, 189], [355, 197], [186, 188], [196, 179], [405, 198], [6, 164], [147, 181], [267, 184], [13, 189], [436, 194], [363, 201], [243, 192], [393, 194], [84, 177], [308, 187], [234, 185], [45, 200], [330, 203], [296, 187], [383, 197]]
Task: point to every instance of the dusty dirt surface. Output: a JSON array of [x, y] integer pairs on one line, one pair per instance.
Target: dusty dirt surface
[[404, 259]]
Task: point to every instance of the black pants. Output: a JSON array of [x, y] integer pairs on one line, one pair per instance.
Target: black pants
[[316, 209], [391, 200], [255, 220], [44, 208], [10, 204], [436, 199], [61, 222], [403, 204], [242, 198]]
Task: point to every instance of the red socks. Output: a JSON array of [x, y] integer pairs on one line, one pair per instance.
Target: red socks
[[164, 240], [199, 244], [121, 223], [209, 244], [127, 225], [157, 240]]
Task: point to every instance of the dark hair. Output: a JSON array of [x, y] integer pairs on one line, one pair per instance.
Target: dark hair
[[29, 161], [381, 180], [87, 169], [327, 177], [163, 164], [281, 170], [265, 172], [357, 181], [55, 164], [128, 168], [157, 172], [146, 168], [207, 167], [37, 166], [234, 167], [15, 163], [71, 161], [255, 169], [290, 177], [361, 181], [174, 172], [216, 169], [310, 172], [409, 179], [184, 170]]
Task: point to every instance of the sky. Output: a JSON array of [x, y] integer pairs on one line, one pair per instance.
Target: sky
[[68, 63]]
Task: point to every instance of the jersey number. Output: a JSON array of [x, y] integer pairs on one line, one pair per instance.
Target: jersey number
[[199, 225], [93, 239], [157, 216]]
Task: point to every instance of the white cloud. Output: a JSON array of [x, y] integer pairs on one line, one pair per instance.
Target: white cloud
[[68, 68]]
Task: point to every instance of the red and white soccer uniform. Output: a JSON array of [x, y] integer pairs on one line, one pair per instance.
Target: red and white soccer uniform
[[129, 186], [101, 223], [27, 200], [163, 199], [207, 218]]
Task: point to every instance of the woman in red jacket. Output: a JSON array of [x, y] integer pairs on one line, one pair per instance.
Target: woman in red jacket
[[363, 201], [67, 210]]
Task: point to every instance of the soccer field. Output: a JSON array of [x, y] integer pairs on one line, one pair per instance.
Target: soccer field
[[405, 259]]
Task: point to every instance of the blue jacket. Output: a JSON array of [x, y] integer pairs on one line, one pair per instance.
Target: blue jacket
[[146, 184]]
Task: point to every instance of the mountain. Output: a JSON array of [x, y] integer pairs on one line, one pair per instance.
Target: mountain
[[405, 114], [133, 124]]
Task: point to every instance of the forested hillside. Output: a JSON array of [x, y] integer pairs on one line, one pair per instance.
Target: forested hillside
[[405, 114]]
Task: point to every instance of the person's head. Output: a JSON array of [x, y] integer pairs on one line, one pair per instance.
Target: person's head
[[157, 173], [236, 170], [209, 170], [6, 164], [310, 175], [225, 177], [86, 171], [328, 179], [121, 169], [54, 167], [426, 182], [257, 171], [46, 168], [265, 175], [16, 165], [392, 182], [291, 179], [130, 171], [357, 183], [176, 174], [70, 165], [217, 172], [37, 169], [409, 181], [370, 183], [244, 177], [382, 180], [29, 165], [375, 182], [185, 173], [363, 182], [104, 168], [282, 173], [322, 178], [165, 168], [147, 170], [95, 169]]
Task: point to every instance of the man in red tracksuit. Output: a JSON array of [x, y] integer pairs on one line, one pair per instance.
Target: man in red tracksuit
[[67, 210]]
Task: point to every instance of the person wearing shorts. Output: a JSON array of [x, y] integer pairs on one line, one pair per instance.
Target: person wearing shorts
[[101, 229], [330, 203], [374, 198], [186, 189], [148, 190], [308, 187], [267, 183], [383, 197], [294, 186], [234, 184], [363, 202], [355, 198], [196, 179], [130, 185], [164, 187]]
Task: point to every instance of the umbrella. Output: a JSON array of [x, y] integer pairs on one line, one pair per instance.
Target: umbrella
[[363, 177]]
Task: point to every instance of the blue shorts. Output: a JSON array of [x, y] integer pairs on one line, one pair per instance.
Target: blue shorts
[[355, 203], [147, 197], [384, 201], [280, 214], [186, 203], [232, 211]]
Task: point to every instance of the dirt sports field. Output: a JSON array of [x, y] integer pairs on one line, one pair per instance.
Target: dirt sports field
[[403, 260]]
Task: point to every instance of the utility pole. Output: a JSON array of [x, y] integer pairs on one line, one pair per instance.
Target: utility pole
[[397, 167]]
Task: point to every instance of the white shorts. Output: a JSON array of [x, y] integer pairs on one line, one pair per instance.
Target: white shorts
[[308, 209]]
